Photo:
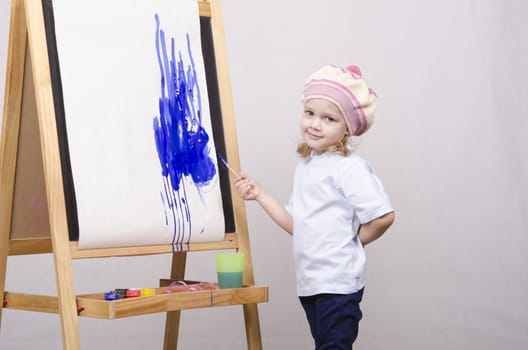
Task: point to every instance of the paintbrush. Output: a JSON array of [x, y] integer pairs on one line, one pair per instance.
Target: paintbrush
[[227, 165]]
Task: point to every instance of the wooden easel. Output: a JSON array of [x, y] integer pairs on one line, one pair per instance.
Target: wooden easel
[[29, 127]]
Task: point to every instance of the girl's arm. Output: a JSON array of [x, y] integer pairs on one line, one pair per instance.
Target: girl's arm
[[250, 190], [374, 229]]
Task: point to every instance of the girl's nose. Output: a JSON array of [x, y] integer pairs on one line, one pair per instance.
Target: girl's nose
[[315, 123]]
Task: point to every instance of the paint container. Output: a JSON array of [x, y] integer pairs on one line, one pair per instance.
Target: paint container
[[229, 269], [122, 292], [133, 293], [145, 292], [111, 295]]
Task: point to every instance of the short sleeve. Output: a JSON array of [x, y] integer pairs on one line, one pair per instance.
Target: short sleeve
[[364, 191]]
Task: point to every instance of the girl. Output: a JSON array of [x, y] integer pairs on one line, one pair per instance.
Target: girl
[[338, 205]]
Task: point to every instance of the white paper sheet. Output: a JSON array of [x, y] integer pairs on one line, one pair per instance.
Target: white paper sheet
[[112, 63]]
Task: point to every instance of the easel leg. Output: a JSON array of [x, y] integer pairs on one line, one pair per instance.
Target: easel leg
[[172, 323], [4, 246], [52, 173], [4, 249], [66, 296], [10, 129], [251, 318]]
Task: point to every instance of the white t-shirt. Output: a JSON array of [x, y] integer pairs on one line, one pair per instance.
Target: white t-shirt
[[332, 196]]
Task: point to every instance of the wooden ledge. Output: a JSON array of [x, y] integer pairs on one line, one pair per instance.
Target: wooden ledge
[[43, 245], [94, 305]]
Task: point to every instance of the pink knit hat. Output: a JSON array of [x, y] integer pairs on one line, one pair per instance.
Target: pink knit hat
[[348, 91]]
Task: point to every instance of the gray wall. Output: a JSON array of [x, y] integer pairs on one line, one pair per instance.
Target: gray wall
[[449, 143]]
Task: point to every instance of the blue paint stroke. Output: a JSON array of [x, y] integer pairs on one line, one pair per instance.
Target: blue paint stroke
[[181, 141]]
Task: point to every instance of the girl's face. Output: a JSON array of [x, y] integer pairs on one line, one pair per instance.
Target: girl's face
[[322, 124]]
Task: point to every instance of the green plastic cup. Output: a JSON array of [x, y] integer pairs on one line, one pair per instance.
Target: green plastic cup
[[229, 269]]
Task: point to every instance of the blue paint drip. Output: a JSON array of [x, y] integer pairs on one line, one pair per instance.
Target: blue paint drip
[[181, 141]]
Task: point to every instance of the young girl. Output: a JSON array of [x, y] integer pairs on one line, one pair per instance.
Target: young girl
[[338, 205]]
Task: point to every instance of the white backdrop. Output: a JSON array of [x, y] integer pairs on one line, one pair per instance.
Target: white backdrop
[[449, 143]]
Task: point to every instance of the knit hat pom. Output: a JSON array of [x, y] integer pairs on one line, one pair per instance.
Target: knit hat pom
[[345, 88], [355, 70]]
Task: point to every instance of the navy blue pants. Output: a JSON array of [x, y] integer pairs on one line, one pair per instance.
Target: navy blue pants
[[334, 319]]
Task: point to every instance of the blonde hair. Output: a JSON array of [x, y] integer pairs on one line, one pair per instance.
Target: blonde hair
[[341, 148]]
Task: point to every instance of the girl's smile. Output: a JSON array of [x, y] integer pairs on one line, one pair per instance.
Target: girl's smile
[[322, 124]]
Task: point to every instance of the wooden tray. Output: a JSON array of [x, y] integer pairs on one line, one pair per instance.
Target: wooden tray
[[94, 305]]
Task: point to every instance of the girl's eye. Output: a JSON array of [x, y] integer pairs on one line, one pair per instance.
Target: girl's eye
[[308, 113], [329, 119]]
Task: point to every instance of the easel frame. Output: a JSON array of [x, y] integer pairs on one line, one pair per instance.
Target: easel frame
[[27, 33]]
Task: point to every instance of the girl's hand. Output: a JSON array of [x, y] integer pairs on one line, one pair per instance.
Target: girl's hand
[[250, 190], [247, 187]]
